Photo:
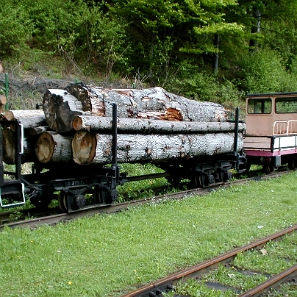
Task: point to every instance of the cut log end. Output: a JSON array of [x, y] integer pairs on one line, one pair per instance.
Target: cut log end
[[59, 109], [84, 147], [8, 146], [77, 123], [8, 115], [3, 100], [44, 147]]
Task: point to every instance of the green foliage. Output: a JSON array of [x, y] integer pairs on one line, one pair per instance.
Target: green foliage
[[53, 26], [102, 41], [55, 23], [167, 32], [168, 43], [264, 71], [200, 85], [15, 29]]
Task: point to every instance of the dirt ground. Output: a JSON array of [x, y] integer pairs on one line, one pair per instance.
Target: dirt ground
[[26, 92]]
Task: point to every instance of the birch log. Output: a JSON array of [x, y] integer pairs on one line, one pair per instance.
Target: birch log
[[53, 147], [96, 148], [132, 125], [60, 106], [28, 118]]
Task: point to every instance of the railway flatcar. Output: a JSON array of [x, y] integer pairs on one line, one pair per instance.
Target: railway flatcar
[[82, 168], [271, 130]]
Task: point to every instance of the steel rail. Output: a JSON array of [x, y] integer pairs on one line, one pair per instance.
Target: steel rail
[[113, 208], [97, 209], [155, 288], [275, 281]]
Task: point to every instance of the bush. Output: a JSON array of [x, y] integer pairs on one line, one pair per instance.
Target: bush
[[15, 29], [199, 85], [102, 41], [264, 71]]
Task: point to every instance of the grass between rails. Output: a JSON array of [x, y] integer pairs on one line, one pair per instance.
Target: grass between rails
[[273, 258], [108, 254]]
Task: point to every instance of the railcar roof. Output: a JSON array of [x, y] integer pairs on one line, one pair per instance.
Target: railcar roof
[[271, 94]]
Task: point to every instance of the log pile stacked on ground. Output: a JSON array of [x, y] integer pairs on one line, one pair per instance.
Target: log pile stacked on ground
[[153, 125]]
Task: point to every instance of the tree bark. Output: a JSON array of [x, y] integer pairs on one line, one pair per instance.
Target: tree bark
[[131, 125], [38, 130], [59, 109], [97, 148], [53, 147], [61, 106], [28, 118]]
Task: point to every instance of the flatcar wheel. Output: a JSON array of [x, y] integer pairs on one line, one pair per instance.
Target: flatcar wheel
[[248, 166], [97, 195], [101, 196], [62, 199], [268, 167], [199, 180], [292, 164]]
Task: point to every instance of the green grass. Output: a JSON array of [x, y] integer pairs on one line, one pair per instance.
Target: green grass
[[273, 258], [289, 290], [279, 258], [108, 254], [194, 288], [143, 188]]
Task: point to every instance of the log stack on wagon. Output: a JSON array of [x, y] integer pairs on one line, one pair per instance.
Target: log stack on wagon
[[153, 126]]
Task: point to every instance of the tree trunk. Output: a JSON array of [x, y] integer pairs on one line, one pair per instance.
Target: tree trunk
[[97, 148], [53, 147], [28, 118], [61, 106], [131, 125]]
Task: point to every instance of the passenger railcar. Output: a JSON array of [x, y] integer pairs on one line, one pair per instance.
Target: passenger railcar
[[271, 130]]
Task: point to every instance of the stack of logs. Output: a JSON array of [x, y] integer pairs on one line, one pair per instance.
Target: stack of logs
[[153, 125]]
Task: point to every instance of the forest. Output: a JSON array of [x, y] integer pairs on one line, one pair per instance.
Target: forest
[[210, 50]]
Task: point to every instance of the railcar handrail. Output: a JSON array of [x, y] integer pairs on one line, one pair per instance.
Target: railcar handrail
[[285, 127], [280, 127], [292, 126]]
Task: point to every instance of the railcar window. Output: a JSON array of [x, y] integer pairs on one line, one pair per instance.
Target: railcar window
[[286, 105], [258, 106]]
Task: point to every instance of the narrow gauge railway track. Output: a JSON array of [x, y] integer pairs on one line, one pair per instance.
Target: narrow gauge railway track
[[18, 215], [113, 208], [14, 215], [197, 272]]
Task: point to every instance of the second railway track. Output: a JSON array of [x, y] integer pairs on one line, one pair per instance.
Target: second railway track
[[229, 265]]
